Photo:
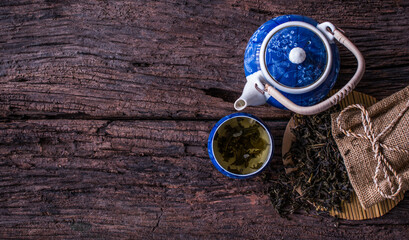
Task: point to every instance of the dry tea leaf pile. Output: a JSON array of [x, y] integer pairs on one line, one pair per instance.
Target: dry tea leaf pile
[[319, 173]]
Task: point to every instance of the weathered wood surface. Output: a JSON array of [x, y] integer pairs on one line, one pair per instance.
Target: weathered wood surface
[[105, 109]]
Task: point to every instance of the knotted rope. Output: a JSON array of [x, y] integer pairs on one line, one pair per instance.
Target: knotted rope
[[383, 165]]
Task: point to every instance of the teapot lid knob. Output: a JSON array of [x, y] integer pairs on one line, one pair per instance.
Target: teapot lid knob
[[297, 55]]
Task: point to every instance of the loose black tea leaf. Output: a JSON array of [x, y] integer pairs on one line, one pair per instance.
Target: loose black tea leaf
[[283, 196], [319, 175]]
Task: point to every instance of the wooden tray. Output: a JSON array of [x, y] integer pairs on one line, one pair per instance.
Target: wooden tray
[[352, 210]]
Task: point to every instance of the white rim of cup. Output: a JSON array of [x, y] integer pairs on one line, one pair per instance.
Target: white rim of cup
[[269, 153], [280, 86]]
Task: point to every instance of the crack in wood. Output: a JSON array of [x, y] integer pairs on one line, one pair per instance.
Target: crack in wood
[[159, 219]]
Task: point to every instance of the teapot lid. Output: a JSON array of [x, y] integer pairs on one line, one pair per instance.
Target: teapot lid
[[295, 56]]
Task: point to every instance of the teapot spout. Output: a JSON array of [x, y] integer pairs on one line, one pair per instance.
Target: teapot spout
[[251, 96]]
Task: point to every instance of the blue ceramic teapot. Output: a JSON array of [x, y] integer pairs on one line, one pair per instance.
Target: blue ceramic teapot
[[299, 62]]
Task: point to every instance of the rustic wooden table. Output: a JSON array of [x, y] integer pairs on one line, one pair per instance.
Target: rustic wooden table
[[106, 106]]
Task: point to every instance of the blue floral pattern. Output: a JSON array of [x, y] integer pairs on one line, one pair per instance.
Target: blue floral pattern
[[289, 74]]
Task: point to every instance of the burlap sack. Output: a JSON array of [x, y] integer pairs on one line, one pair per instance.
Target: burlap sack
[[359, 154]]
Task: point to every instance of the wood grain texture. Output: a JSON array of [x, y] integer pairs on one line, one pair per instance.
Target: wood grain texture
[[105, 109], [182, 59], [101, 179]]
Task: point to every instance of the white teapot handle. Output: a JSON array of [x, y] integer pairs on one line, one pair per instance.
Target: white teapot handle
[[334, 99]]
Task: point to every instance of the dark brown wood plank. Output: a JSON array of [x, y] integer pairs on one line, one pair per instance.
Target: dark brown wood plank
[[169, 59], [128, 179], [80, 82]]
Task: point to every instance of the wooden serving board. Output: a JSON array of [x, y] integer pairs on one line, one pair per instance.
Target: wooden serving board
[[349, 210]]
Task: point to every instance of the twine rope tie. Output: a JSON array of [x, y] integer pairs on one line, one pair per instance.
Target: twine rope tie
[[383, 165]]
